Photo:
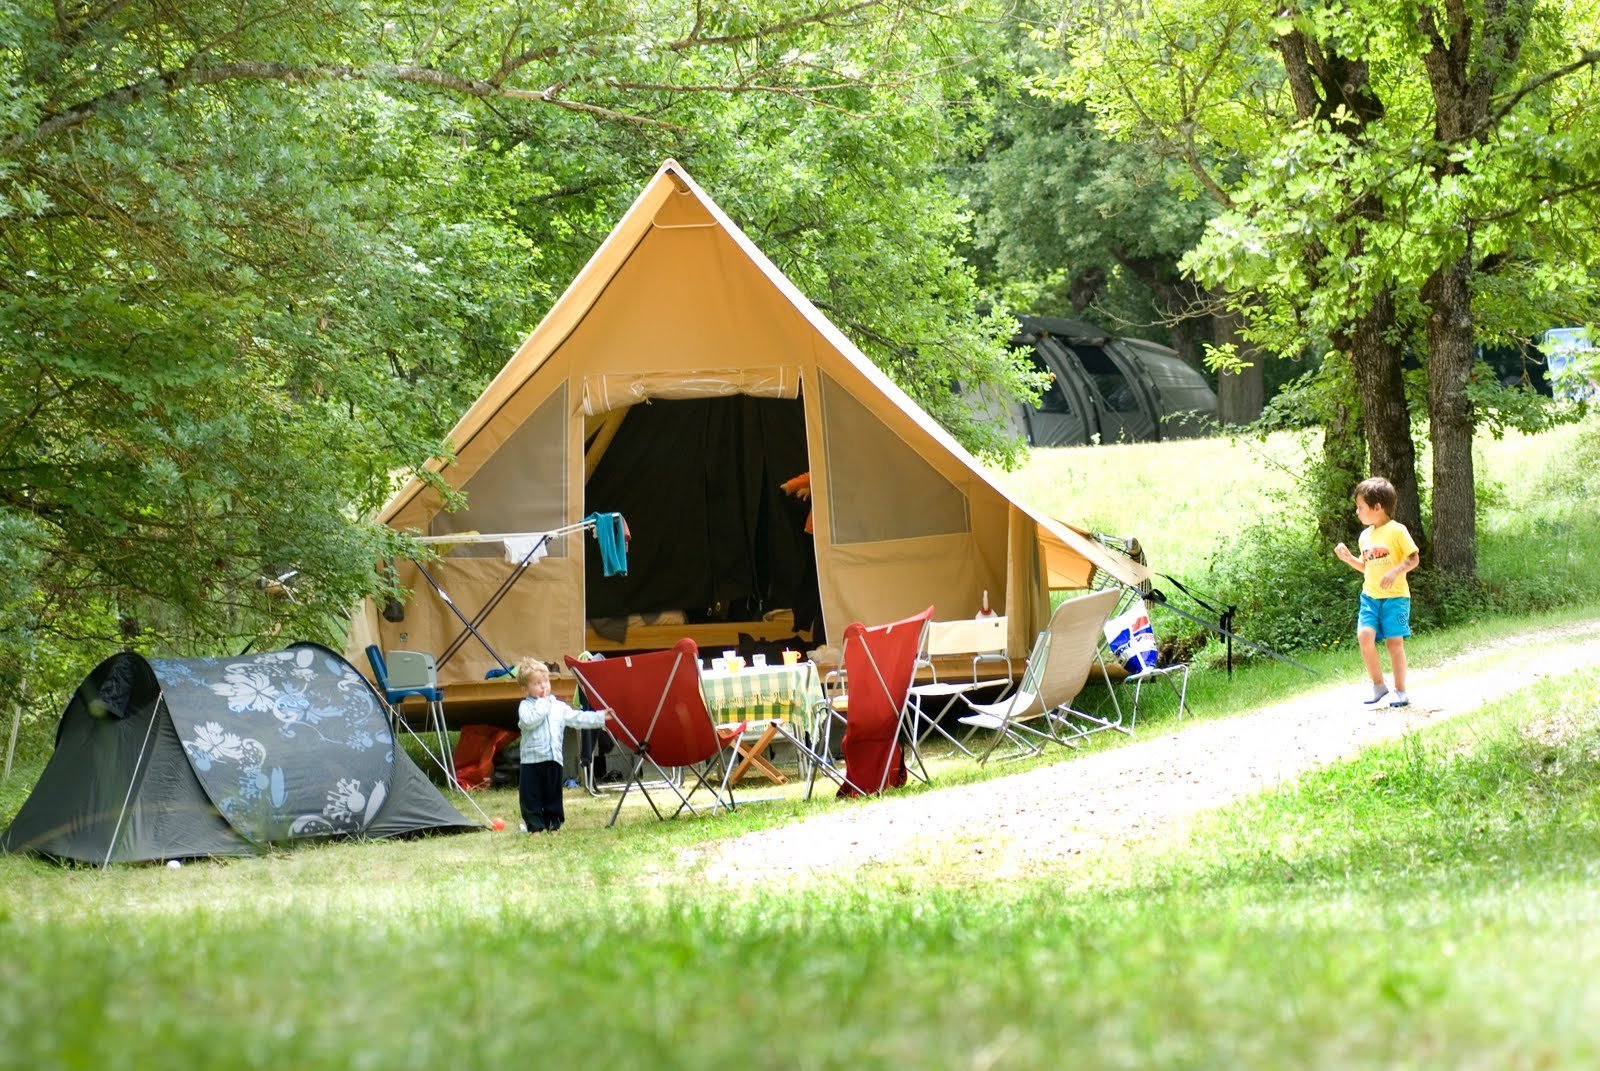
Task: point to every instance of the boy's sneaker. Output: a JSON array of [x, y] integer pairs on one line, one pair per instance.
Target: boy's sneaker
[[1400, 699], [1378, 692]]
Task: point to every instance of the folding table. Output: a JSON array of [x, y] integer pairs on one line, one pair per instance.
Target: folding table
[[767, 697]]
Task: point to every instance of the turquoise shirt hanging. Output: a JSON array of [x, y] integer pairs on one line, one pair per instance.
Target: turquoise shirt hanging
[[613, 547]]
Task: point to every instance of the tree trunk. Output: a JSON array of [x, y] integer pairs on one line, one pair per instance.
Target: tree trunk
[[1240, 395], [1385, 415], [1177, 302], [1472, 53], [1450, 337]]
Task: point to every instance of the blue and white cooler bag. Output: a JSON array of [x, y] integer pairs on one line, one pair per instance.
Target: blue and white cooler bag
[[1131, 639]]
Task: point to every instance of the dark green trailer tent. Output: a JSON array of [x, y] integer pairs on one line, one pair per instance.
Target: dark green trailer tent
[[181, 758], [1107, 389]]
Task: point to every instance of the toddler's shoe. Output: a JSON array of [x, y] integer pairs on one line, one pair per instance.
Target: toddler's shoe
[[1378, 692], [1400, 699]]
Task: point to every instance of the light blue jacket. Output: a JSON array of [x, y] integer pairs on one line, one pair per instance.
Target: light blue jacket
[[543, 722]]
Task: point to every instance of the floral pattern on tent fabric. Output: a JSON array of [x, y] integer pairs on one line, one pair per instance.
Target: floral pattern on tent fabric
[[286, 744]]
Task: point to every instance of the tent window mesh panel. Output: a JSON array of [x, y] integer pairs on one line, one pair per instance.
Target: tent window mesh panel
[[522, 487], [879, 487], [1114, 386]]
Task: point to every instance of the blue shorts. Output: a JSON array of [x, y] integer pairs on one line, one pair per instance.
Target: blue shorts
[[1390, 619]]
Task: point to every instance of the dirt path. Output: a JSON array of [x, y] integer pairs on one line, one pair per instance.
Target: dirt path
[[1013, 825]]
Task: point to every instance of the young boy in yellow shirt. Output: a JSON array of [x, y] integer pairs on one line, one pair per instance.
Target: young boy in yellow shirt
[[1388, 553]]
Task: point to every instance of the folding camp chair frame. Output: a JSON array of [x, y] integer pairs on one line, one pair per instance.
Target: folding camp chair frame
[[1080, 724], [1094, 723], [820, 758], [1030, 702], [641, 752], [1006, 716], [815, 748], [922, 722]]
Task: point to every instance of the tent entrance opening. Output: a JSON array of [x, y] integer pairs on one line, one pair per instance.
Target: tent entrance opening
[[718, 547]]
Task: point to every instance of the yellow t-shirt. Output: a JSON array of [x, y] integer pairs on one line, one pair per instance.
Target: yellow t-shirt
[[1383, 547]]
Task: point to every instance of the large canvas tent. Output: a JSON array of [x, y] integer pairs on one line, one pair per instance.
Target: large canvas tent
[[178, 758], [679, 380]]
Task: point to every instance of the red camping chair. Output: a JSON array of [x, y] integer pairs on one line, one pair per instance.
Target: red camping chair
[[879, 663], [659, 714], [475, 752]]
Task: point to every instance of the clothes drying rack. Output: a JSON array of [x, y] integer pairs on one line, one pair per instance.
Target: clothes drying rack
[[610, 531]]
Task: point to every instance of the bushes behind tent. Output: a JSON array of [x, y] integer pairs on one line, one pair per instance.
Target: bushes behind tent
[[1538, 549]]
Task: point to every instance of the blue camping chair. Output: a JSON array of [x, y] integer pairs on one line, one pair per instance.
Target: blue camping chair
[[412, 673]]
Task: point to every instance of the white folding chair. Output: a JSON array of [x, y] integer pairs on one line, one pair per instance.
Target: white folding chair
[[984, 638], [1057, 670], [1175, 676]]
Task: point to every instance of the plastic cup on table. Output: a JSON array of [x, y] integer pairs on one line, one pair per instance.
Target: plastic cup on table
[[791, 658], [758, 661]]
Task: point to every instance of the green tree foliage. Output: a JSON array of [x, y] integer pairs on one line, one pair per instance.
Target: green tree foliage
[[1419, 174], [254, 259], [1068, 219]]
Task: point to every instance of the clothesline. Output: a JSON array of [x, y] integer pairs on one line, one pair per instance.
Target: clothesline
[[502, 537], [522, 550], [525, 548]]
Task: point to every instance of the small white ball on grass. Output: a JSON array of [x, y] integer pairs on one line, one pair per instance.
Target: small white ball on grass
[[174, 864]]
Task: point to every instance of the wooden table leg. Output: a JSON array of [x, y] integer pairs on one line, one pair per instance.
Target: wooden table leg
[[752, 756]]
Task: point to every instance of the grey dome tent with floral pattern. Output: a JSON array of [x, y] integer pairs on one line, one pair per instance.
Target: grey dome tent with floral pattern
[[181, 758]]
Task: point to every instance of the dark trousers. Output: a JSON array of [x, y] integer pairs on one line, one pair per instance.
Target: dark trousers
[[539, 792]]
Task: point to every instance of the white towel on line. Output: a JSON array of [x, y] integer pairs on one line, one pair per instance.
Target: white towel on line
[[517, 548]]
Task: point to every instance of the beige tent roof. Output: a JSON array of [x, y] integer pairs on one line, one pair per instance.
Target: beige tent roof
[[678, 303], [1068, 554]]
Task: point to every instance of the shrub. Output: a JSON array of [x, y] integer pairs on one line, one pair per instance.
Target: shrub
[[1292, 594]]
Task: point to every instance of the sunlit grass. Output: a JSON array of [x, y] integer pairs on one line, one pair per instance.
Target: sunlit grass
[[1414, 907], [1422, 905], [1183, 499]]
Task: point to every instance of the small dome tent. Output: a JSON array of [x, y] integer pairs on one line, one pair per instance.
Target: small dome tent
[[178, 758]]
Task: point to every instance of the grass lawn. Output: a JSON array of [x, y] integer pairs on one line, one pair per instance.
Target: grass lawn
[[1184, 499], [1415, 907], [1424, 905]]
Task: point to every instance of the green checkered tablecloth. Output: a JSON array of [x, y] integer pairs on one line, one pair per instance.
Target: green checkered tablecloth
[[789, 692]]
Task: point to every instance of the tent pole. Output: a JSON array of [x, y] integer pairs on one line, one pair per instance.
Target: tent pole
[[161, 698]]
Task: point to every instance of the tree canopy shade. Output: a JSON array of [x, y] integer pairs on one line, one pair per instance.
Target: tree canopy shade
[[1421, 175], [1068, 218], [253, 257]]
